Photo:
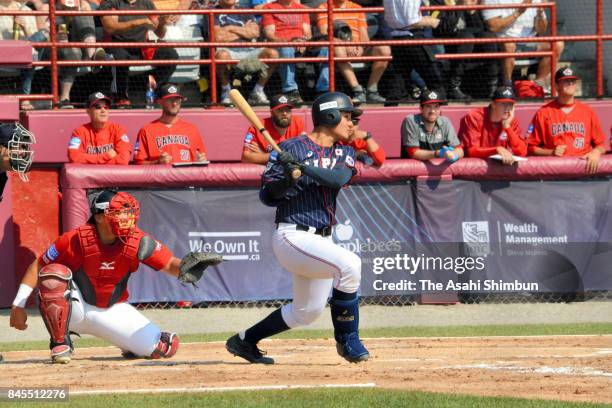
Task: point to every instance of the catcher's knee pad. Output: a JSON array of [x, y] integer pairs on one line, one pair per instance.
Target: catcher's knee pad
[[167, 346], [350, 273], [55, 302]]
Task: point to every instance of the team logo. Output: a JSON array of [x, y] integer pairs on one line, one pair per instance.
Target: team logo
[[107, 266], [507, 92], [74, 143], [283, 99], [579, 142], [125, 138], [51, 254], [172, 89], [309, 154], [432, 95], [158, 246], [99, 95], [438, 135], [568, 72], [338, 152], [328, 105]]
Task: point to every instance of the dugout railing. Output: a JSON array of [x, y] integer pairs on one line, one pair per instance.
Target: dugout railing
[[54, 63]]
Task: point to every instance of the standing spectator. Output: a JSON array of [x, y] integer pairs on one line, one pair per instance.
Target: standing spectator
[[494, 129], [169, 139], [467, 24], [99, 141], [521, 22], [367, 150], [405, 22], [239, 28], [350, 27], [134, 28], [287, 27], [567, 127], [429, 135], [281, 125]]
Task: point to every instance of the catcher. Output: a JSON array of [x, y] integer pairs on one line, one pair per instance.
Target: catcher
[[82, 280]]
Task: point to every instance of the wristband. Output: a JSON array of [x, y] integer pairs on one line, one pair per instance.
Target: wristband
[[367, 136], [442, 151], [22, 296]]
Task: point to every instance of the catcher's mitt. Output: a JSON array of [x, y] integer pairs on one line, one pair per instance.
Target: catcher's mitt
[[194, 264]]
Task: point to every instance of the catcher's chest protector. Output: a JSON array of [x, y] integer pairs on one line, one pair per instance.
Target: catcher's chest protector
[[107, 265]]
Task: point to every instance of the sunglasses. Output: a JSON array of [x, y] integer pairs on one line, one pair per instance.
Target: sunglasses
[[99, 106], [355, 121]]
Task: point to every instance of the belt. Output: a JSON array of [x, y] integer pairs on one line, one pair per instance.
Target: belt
[[324, 231]]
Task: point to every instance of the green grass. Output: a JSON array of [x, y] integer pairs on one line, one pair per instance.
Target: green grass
[[442, 331], [327, 398]]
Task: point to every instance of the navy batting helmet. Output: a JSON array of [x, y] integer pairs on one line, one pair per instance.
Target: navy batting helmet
[[327, 109]]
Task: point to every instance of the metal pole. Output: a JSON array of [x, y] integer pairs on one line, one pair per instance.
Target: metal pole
[[599, 48], [213, 65], [553, 48], [330, 38], [54, 70]]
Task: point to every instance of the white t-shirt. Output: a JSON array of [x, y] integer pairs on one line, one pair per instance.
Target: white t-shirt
[[399, 14], [524, 26]]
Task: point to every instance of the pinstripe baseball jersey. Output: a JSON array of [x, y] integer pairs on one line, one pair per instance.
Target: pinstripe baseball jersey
[[307, 202]]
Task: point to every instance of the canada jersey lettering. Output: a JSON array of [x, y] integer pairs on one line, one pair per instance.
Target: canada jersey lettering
[[161, 141], [307, 202]]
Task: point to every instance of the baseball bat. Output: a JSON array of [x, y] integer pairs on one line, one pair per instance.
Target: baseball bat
[[248, 112]]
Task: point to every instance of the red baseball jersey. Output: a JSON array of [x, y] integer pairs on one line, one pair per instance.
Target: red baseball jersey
[[91, 146], [181, 140], [68, 250], [296, 128], [286, 26], [480, 137], [575, 126], [379, 156]]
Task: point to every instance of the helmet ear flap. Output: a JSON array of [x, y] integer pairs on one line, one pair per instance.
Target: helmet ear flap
[[333, 118]]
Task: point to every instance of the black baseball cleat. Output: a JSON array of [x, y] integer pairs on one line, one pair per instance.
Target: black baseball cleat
[[250, 352]]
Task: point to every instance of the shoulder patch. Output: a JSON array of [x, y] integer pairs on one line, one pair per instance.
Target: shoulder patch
[[51, 254], [125, 138], [74, 143]]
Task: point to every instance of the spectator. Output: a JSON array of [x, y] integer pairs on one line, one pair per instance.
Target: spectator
[[367, 150], [281, 125], [169, 139], [494, 129], [567, 127], [429, 135], [287, 27], [99, 141], [350, 27], [521, 22], [134, 28], [466, 24], [405, 22], [239, 28]]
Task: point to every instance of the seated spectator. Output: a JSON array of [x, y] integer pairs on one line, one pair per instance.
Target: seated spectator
[[239, 28], [466, 24], [99, 141], [494, 129], [367, 150], [523, 22], [566, 127], [135, 28], [429, 135], [405, 22], [169, 139], [287, 27], [350, 27], [281, 125]]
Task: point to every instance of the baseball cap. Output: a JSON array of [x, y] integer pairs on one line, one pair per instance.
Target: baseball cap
[[429, 97], [97, 97], [280, 101], [565, 73], [169, 90], [504, 94]]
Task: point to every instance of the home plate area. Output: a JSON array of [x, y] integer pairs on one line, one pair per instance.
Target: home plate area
[[572, 368]]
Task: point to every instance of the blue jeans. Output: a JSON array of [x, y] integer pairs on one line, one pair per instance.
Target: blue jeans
[[323, 80], [287, 71]]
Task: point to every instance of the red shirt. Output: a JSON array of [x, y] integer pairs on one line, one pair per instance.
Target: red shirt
[[91, 146], [286, 26], [181, 140], [296, 127], [481, 137], [67, 250], [577, 128], [377, 155]]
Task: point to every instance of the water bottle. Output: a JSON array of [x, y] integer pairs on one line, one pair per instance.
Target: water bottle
[[150, 93]]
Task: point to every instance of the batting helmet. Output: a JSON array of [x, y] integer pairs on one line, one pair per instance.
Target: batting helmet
[[327, 109]]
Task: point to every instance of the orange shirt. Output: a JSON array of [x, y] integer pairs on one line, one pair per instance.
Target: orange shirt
[[286, 26], [378, 155], [181, 141], [296, 127], [481, 137], [90, 146], [356, 20], [575, 126]]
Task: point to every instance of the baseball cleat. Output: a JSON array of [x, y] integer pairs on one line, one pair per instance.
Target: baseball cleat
[[250, 352], [61, 354], [352, 349], [167, 346]]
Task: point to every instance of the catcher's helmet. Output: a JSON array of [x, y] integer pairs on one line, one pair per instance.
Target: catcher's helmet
[[327, 109], [18, 140], [121, 210]]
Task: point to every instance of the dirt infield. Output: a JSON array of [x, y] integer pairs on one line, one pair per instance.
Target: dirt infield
[[573, 368]]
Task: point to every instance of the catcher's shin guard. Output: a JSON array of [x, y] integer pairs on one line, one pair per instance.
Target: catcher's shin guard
[[167, 346], [55, 308], [345, 318]]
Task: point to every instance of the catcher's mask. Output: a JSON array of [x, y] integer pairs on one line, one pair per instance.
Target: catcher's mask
[[121, 211], [18, 140]]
